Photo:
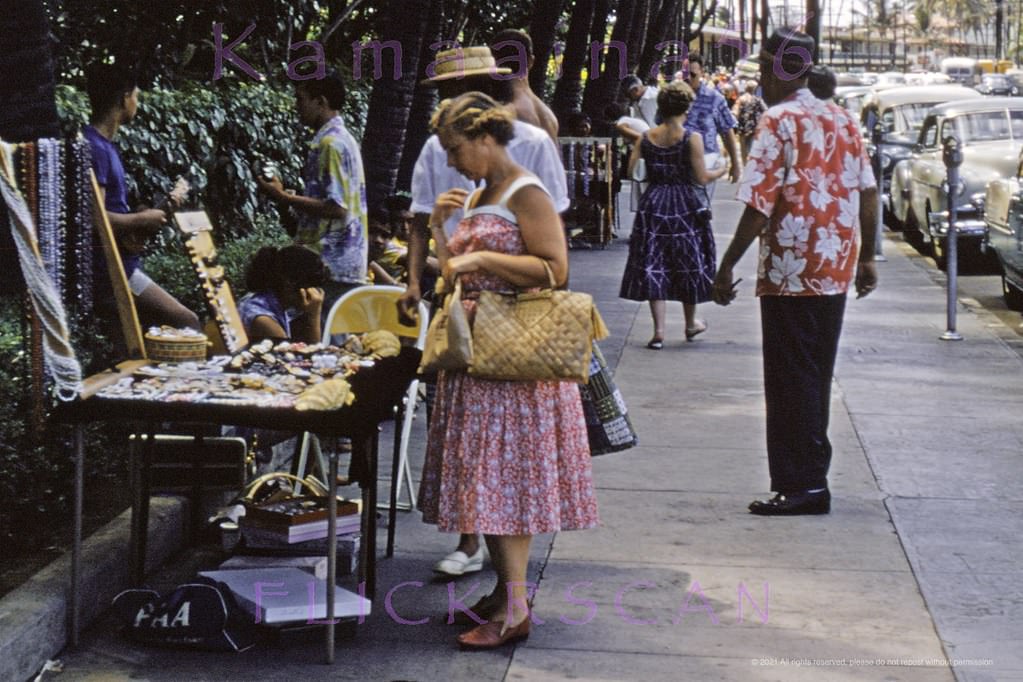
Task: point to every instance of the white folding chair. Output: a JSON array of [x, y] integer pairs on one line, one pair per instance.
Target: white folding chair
[[366, 309]]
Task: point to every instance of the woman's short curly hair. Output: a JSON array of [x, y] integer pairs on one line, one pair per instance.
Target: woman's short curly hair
[[474, 114], [674, 99]]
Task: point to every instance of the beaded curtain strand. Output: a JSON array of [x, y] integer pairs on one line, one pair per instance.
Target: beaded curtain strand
[[37, 406]]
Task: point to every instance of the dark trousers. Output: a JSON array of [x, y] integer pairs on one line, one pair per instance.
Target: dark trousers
[[800, 343]]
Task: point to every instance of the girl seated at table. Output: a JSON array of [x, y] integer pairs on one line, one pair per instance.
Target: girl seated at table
[[285, 298]]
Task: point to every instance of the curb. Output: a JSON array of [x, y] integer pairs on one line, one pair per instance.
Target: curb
[[33, 617]]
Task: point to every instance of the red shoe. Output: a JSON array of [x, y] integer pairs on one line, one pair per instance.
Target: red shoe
[[489, 635]]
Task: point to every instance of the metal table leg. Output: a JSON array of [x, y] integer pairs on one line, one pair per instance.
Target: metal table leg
[[140, 504], [331, 548], [76, 534]]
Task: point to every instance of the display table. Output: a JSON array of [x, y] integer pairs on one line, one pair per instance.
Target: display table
[[377, 389]]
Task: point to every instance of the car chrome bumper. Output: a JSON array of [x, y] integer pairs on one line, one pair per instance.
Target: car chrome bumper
[[969, 226]]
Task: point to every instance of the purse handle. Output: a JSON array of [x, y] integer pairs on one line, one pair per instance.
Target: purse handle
[[550, 273], [314, 487]]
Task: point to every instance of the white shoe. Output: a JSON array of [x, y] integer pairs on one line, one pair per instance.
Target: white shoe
[[459, 563]]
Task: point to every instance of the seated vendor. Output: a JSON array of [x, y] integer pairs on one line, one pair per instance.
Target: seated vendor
[[387, 258], [285, 299], [114, 98]]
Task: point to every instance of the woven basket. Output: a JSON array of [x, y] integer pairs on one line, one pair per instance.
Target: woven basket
[[176, 349]]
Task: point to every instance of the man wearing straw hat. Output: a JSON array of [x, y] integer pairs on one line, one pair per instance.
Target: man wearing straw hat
[[455, 72]]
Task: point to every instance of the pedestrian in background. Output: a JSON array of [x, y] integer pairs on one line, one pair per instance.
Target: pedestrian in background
[[710, 116], [807, 183], [671, 251], [748, 109], [514, 47]]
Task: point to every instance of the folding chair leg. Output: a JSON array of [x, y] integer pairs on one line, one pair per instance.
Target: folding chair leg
[[406, 432], [392, 512], [303, 457]]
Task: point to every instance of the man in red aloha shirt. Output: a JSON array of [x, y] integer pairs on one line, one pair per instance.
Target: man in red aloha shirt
[[806, 184]]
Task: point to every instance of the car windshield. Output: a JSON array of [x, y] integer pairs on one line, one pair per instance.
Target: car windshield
[[997, 81], [853, 103], [983, 126], [909, 117]]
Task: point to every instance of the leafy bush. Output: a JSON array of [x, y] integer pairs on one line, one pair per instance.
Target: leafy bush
[[211, 136], [36, 468]]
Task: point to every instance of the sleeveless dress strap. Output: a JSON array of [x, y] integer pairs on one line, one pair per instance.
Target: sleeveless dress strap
[[518, 184], [474, 196]]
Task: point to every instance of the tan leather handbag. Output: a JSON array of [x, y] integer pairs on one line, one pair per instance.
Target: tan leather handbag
[[538, 336], [449, 339]]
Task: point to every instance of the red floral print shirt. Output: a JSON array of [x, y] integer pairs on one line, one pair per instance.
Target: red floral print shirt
[[806, 169]]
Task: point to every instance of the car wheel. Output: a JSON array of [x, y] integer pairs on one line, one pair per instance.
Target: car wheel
[[1013, 296], [939, 253], [911, 230], [889, 219]]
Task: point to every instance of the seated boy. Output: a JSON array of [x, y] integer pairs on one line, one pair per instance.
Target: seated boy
[[114, 98]]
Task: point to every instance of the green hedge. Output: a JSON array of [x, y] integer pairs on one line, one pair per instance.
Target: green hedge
[[210, 135]]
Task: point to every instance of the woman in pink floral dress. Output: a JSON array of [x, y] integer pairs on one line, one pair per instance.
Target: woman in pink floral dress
[[508, 459]]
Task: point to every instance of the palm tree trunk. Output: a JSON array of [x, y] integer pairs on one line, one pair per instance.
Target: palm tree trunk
[[658, 32], [423, 101], [391, 101], [637, 35], [569, 89], [592, 103], [543, 29], [26, 75], [813, 27]]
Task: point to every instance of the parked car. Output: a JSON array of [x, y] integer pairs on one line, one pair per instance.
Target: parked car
[[1015, 77], [927, 78], [851, 97], [1003, 217], [990, 131], [901, 110], [891, 78], [996, 84]]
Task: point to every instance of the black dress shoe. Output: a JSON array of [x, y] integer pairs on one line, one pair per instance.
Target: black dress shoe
[[793, 505]]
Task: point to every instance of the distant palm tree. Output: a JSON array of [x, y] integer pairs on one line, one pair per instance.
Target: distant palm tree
[[922, 13]]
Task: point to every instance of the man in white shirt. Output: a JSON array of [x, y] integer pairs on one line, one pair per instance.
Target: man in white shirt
[[643, 99]]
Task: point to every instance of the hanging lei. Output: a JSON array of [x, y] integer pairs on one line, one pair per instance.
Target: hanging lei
[[44, 309], [79, 240], [587, 149], [568, 153], [29, 168], [52, 225]]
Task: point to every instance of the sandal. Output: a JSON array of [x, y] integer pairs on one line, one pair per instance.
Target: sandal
[[655, 344], [696, 331], [460, 563]]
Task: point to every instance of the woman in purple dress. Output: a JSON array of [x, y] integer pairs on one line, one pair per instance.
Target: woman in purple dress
[[671, 251]]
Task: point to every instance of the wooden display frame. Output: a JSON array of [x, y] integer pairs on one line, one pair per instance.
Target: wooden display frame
[[128, 314], [226, 322]]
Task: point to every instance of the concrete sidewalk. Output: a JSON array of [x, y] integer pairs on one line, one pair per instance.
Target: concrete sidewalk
[[919, 561]]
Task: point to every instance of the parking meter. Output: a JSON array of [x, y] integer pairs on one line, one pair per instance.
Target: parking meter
[[876, 137], [952, 155]]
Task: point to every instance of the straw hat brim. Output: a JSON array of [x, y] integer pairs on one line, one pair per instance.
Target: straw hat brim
[[483, 71]]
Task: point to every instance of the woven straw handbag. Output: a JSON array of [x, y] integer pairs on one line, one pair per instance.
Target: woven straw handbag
[[540, 336], [449, 339]]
